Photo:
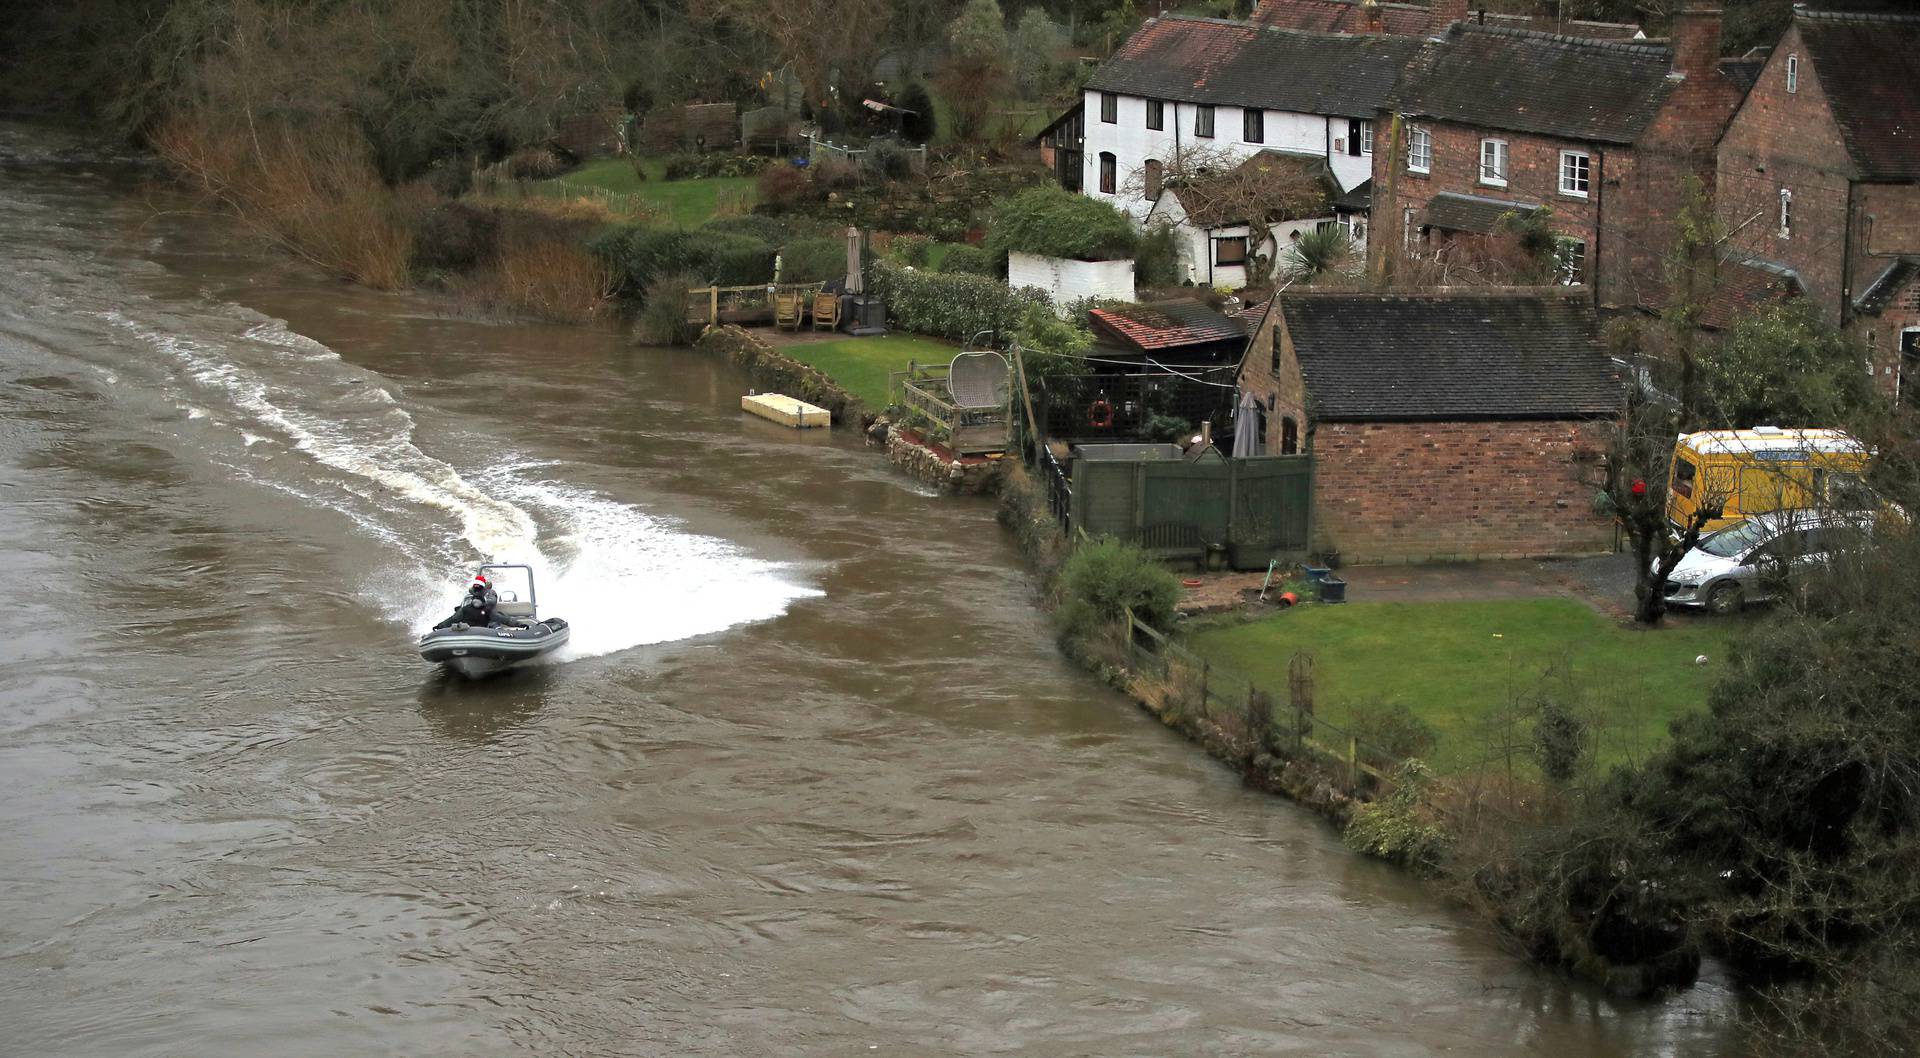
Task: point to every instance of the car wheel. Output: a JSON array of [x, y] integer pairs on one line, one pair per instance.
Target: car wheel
[[1724, 599]]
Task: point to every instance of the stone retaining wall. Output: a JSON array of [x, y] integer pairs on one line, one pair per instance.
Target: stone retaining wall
[[772, 372], [938, 466]]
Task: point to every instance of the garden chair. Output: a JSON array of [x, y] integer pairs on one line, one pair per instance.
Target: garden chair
[[826, 311], [787, 309]]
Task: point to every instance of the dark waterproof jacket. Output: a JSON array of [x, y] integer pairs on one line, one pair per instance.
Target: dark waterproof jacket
[[481, 610]]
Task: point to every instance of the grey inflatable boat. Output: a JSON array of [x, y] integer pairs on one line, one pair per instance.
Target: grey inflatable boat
[[477, 650]]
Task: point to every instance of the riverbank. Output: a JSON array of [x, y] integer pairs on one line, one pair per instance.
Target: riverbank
[[1465, 834]]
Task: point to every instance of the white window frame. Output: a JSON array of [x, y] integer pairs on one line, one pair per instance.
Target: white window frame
[[1498, 148], [1366, 136], [1786, 213], [1793, 74], [1584, 171], [1420, 147]]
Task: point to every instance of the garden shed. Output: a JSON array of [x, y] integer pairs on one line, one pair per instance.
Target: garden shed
[[1443, 425]]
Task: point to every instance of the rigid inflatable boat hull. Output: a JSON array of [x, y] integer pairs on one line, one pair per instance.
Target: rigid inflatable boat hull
[[474, 652]]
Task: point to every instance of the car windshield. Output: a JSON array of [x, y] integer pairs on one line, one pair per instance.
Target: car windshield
[[1734, 539]]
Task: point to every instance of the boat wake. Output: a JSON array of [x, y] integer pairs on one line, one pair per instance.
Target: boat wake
[[622, 577]]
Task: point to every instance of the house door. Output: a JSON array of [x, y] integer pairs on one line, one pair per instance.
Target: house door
[[1910, 367]]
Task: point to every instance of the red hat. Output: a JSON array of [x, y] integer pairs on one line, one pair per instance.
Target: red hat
[[479, 578]]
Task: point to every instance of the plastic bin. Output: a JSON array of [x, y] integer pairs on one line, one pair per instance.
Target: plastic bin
[[1332, 589], [1316, 574]]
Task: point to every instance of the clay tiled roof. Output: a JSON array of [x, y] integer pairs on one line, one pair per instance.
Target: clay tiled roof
[[1605, 92], [1210, 60], [1454, 355], [1167, 325], [1347, 16], [1453, 211], [1869, 67], [1746, 287]]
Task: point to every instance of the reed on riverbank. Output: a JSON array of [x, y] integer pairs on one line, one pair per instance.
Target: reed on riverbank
[[313, 191]]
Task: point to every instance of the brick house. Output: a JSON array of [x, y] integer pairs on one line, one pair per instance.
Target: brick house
[[1819, 173], [1445, 424], [1602, 134]]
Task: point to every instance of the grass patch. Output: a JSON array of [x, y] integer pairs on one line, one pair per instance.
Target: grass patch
[[688, 203], [1458, 666], [861, 365], [937, 252]]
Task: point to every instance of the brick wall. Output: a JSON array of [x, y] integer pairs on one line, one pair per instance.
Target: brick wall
[[1389, 491], [1275, 381], [1533, 164], [1884, 334], [1788, 140]]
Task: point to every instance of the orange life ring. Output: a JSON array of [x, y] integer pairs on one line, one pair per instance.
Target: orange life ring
[[1100, 414]]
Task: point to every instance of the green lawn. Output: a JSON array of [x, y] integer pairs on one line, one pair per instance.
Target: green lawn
[[689, 203], [1457, 665], [861, 364]]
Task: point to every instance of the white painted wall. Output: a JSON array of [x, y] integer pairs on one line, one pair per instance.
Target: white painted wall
[[1067, 281], [1131, 142], [1195, 244]]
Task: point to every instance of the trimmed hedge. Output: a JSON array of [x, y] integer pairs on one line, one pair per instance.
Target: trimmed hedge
[[813, 260], [1053, 222], [972, 260], [946, 305], [642, 255]]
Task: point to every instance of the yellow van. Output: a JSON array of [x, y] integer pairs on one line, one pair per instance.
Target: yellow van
[[1764, 469]]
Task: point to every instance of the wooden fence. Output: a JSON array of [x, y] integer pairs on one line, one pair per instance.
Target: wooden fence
[[922, 391], [1238, 706], [819, 150], [753, 304]]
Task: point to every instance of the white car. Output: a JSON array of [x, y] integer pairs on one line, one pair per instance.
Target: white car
[[1752, 558]]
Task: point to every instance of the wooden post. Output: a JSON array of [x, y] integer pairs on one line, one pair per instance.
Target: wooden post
[[713, 306], [1206, 670], [1131, 663], [1379, 267], [1353, 763]]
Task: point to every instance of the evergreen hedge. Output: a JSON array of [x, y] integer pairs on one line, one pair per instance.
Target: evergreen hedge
[[946, 305], [1053, 222]]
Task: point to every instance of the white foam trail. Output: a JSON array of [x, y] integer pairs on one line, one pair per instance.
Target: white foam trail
[[195, 413], [620, 576], [623, 578]]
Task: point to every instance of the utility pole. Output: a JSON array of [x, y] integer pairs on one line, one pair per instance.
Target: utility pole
[[1379, 265]]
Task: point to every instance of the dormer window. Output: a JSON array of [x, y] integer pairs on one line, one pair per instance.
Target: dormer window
[[1793, 74], [1786, 213]]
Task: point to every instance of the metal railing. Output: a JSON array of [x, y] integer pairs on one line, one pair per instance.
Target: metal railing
[[749, 304]]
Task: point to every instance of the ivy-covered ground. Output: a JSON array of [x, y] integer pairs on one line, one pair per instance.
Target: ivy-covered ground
[[1474, 670], [688, 203], [861, 365]]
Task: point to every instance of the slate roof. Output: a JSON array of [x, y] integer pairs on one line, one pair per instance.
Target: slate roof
[[1869, 68], [1887, 285], [1521, 81], [1167, 325], [1346, 16], [1451, 355], [1743, 73], [1745, 288], [1358, 199], [1211, 60], [1453, 211]]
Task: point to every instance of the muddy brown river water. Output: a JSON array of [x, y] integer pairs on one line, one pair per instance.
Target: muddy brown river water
[[811, 779]]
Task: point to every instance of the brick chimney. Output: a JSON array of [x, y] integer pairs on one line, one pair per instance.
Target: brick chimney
[[1696, 43], [1375, 21], [1445, 13]]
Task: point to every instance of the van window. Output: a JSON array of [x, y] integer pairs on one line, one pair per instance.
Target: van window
[[1683, 474]]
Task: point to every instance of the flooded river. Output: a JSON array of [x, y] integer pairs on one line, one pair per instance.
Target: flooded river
[[810, 780]]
